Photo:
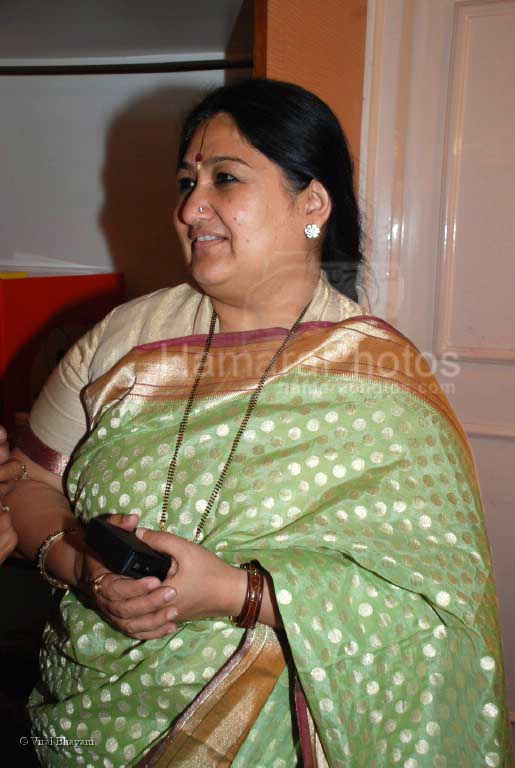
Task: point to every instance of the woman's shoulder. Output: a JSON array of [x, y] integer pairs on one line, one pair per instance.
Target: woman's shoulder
[[142, 307]]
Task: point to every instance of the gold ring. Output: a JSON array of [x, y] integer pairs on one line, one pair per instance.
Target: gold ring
[[97, 582], [24, 473]]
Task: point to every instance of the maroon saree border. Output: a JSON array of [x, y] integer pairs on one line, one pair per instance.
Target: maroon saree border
[[235, 337], [40, 453]]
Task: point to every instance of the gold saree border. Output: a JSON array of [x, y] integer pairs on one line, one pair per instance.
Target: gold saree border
[[360, 347], [214, 726]]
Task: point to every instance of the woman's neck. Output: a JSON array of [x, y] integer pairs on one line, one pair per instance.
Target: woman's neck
[[274, 311]]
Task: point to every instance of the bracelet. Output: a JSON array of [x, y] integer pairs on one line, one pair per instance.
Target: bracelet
[[43, 552], [251, 607]]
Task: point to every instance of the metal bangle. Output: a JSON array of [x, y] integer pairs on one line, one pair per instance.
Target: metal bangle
[[43, 552]]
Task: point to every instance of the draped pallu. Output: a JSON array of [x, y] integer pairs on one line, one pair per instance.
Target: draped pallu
[[355, 488]]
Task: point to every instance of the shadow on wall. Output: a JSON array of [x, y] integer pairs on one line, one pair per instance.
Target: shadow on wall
[[140, 191]]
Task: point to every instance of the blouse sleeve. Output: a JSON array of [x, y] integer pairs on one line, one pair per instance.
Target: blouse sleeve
[[57, 420]]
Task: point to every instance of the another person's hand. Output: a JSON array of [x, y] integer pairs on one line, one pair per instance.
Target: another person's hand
[[10, 469], [139, 608], [8, 537]]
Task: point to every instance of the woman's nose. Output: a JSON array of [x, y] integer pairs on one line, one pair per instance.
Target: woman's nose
[[195, 207]]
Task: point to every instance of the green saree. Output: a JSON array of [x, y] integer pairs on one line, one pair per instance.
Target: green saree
[[354, 486]]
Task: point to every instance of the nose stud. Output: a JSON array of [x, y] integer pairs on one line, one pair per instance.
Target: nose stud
[[201, 209]]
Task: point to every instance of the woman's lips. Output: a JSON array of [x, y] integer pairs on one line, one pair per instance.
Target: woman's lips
[[202, 245]]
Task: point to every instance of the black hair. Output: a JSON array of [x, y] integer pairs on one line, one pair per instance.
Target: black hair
[[300, 133]]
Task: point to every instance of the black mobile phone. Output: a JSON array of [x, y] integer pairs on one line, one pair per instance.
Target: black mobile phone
[[122, 552]]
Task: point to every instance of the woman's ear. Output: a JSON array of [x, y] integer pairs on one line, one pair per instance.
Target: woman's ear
[[318, 204]]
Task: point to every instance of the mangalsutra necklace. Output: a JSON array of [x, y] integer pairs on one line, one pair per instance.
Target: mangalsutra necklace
[[184, 421]]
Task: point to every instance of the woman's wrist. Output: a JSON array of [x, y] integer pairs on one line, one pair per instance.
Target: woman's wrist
[[64, 557], [233, 591]]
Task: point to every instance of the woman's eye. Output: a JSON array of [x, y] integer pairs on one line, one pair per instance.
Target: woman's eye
[[186, 184], [224, 178]]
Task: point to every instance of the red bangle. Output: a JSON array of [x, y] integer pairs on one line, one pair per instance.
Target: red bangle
[[252, 606]]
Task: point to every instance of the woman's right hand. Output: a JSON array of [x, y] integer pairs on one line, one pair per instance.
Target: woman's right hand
[[139, 608], [8, 537]]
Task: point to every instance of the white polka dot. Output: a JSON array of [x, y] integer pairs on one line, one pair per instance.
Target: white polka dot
[[432, 728], [365, 609], [490, 710], [378, 417], [276, 521], [222, 430], [360, 512], [405, 736], [318, 674], [450, 538], [429, 651], [326, 705], [351, 648], [312, 461], [151, 501], [331, 417], [367, 659], [487, 663], [294, 433], [126, 689], [267, 426], [359, 425], [443, 598], [372, 688], [358, 465], [320, 478], [284, 597], [334, 635], [249, 435], [313, 425], [294, 468], [422, 747], [492, 759], [425, 521], [339, 470]]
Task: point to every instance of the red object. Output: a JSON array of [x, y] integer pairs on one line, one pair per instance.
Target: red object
[[40, 318], [198, 157]]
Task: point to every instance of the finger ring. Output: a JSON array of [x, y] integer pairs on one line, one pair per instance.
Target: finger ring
[[96, 583], [24, 473]]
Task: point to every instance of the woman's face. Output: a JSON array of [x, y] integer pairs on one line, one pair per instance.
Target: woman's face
[[240, 226]]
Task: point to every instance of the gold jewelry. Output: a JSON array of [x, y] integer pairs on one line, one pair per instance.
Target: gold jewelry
[[184, 421], [96, 582], [24, 473], [43, 552]]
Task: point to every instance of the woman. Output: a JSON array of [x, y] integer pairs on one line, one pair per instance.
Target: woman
[[262, 420]]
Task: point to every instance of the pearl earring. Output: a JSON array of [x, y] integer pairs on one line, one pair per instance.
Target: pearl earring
[[311, 231]]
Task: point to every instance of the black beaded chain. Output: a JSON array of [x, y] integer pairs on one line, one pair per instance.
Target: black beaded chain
[[184, 421]]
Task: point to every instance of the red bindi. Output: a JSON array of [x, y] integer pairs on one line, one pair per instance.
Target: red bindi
[[198, 157]]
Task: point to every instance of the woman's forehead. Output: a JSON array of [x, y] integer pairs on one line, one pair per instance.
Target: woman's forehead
[[218, 136]]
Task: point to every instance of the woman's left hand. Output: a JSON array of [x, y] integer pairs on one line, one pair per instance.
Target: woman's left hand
[[206, 586]]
